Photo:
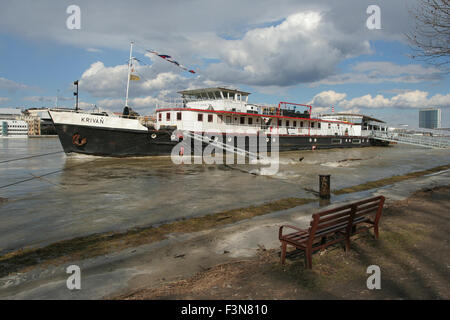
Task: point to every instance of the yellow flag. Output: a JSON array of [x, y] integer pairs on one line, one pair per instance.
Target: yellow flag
[[134, 77]]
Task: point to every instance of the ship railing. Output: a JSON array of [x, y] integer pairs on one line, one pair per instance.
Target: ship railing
[[414, 139]]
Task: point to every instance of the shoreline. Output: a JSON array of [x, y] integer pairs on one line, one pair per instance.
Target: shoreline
[[95, 249], [412, 257]]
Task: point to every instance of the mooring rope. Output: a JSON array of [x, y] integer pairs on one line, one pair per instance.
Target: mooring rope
[[29, 157]]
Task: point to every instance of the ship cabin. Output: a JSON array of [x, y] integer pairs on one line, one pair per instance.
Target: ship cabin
[[365, 123], [221, 110]]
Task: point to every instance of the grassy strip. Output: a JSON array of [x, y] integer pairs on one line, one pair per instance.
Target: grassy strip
[[388, 181], [104, 243]]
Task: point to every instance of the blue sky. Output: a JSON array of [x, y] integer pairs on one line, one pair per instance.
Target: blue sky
[[316, 52]]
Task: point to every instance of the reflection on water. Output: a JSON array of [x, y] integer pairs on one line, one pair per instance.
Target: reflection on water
[[95, 194]]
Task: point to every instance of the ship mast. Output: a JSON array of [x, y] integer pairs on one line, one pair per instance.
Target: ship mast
[[129, 73]]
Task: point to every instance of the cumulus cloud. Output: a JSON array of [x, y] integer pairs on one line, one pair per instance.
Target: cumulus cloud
[[11, 86], [158, 82], [327, 98], [303, 48], [323, 101], [407, 100]]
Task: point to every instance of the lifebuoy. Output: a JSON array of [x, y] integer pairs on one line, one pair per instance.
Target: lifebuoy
[[78, 141]]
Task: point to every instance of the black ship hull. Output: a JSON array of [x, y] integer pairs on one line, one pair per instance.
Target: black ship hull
[[125, 143]]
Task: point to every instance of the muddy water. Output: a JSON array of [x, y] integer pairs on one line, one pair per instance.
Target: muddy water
[[86, 195]]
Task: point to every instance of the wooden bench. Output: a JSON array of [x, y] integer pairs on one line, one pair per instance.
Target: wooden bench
[[333, 226]]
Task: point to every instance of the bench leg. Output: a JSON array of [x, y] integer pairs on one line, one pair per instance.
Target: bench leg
[[375, 231], [283, 252], [347, 244], [308, 259]]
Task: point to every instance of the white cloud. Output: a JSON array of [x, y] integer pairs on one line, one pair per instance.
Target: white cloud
[[4, 99], [93, 50], [303, 48], [323, 101], [408, 100], [11, 86], [327, 99], [161, 80], [276, 43]]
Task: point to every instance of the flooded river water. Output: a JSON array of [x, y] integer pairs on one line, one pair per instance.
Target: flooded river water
[[84, 195]]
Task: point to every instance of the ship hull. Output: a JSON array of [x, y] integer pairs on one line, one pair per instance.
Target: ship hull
[[126, 143], [114, 142]]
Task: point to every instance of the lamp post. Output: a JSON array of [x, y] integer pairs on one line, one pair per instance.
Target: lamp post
[[76, 95]]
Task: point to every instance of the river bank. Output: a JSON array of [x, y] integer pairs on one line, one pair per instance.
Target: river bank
[[131, 266], [412, 253]]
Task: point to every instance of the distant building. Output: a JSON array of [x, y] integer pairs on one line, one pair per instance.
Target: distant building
[[10, 113], [45, 125], [14, 128], [430, 118], [34, 124]]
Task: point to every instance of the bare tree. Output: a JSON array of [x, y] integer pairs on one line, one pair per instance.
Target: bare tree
[[431, 35]]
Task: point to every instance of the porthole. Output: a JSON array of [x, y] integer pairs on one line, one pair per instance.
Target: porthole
[[153, 135]]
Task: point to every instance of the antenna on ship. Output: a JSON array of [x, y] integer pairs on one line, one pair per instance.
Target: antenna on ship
[[129, 73]]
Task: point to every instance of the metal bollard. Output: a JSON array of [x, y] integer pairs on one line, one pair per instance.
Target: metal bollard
[[324, 186]]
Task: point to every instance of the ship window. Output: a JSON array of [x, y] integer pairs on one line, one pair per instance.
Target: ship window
[[287, 123], [210, 118], [294, 123], [250, 120], [312, 124], [178, 115], [279, 123], [160, 116], [329, 126], [318, 125], [200, 117], [242, 120], [301, 124], [168, 116]]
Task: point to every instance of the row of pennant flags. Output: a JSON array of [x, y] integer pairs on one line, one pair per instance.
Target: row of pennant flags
[[165, 57], [171, 60]]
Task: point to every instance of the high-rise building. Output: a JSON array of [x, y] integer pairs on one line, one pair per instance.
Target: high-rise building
[[430, 118]]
